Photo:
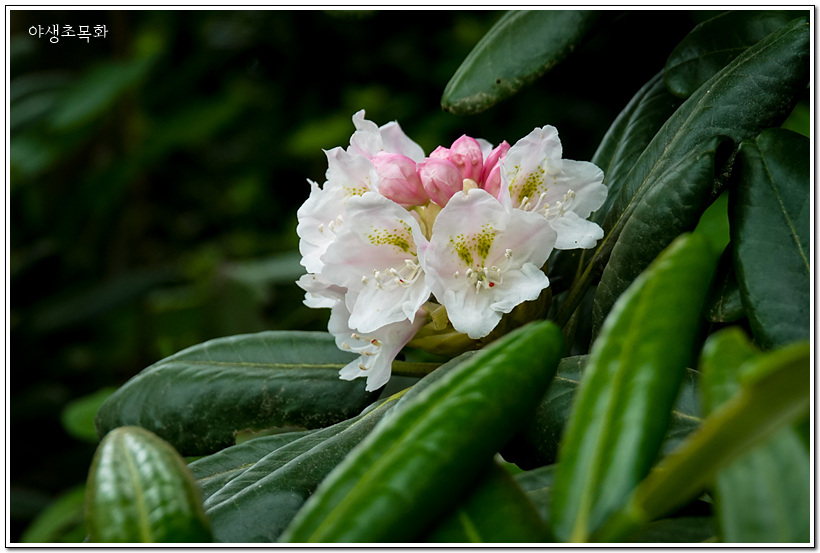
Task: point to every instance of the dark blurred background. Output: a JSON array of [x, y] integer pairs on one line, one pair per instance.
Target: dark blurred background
[[156, 173]]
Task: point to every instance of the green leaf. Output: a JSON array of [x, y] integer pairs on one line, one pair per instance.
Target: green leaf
[[255, 489], [764, 496], [140, 491], [213, 472], [199, 398], [538, 444], [418, 461], [521, 47], [625, 400], [716, 42], [753, 92], [78, 416], [629, 135], [537, 484], [496, 511], [61, 522], [686, 529], [770, 226], [673, 205], [774, 393], [724, 304]]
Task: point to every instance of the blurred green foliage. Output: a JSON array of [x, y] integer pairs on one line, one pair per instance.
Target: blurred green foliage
[[156, 173]]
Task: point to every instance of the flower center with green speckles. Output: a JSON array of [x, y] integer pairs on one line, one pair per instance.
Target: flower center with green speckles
[[528, 192], [484, 278], [401, 238]]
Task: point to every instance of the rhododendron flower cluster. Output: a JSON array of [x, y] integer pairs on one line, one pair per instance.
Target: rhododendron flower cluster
[[393, 234]]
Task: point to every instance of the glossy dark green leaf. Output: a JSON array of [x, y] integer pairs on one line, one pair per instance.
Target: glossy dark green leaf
[[755, 91], [213, 472], [632, 131], [521, 47], [140, 491], [537, 484], [695, 529], [631, 379], [497, 510], [770, 225], [417, 462], [538, 444], [672, 206], [774, 393], [764, 496], [253, 490], [716, 42], [724, 304], [199, 398], [263, 484]]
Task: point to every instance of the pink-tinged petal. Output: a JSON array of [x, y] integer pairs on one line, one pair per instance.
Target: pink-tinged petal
[[480, 259], [491, 174], [375, 260], [486, 147], [440, 153], [441, 179], [530, 167], [399, 180], [465, 153]]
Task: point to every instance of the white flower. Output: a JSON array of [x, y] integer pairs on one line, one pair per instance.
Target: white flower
[[565, 192], [376, 260], [485, 258], [349, 173], [369, 140], [376, 349]]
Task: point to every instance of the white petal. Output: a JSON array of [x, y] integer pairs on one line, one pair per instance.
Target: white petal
[[395, 141], [470, 311], [318, 223], [320, 293], [377, 349], [586, 181], [374, 258], [530, 165], [474, 263], [354, 173], [521, 285], [369, 140], [574, 232]]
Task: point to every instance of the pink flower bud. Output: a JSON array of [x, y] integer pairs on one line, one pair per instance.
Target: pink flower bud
[[441, 153], [398, 179], [465, 153], [491, 174], [441, 179]]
